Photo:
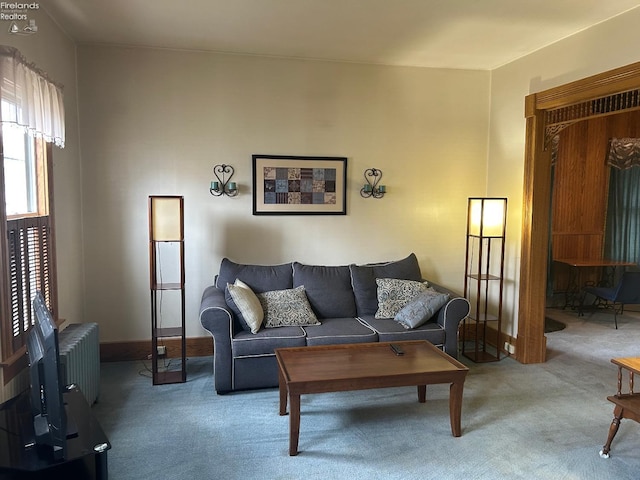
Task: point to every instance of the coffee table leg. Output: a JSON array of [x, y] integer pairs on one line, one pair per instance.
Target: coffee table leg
[[422, 393], [294, 424], [455, 407], [282, 387]]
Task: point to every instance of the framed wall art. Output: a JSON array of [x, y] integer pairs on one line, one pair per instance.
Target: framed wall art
[[292, 185]]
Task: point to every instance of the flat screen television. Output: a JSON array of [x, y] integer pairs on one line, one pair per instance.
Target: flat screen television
[[47, 402]]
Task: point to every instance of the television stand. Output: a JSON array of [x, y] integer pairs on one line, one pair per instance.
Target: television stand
[[86, 455]]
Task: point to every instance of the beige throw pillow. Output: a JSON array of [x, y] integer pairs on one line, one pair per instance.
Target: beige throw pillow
[[247, 302]]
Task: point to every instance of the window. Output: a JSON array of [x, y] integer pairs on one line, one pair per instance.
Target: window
[[29, 233], [19, 171], [32, 119]]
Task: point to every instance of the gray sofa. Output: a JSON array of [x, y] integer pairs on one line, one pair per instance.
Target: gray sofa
[[344, 300]]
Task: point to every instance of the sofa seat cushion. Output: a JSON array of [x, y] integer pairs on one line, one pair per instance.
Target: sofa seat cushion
[[266, 341], [335, 331], [259, 278], [363, 280], [389, 330], [328, 289]]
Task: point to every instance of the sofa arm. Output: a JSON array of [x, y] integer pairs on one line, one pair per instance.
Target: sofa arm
[[450, 316], [217, 318]]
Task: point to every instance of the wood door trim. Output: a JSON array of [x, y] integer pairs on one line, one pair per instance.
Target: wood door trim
[[531, 342]]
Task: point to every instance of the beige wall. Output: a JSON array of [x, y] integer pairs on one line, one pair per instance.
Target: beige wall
[[603, 47], [156, 121], [52, 51]]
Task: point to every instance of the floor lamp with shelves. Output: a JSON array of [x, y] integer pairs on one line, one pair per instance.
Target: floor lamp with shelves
[[483, 280], [166, 268]]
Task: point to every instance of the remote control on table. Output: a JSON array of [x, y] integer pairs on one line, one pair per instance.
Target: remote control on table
[[396, 349]]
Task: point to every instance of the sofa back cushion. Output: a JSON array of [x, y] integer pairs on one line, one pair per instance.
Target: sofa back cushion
[[260, 278], [328, 289], [363, 280]]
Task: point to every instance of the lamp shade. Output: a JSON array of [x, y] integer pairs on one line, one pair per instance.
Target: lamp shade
[[166, 219], [487, 216]]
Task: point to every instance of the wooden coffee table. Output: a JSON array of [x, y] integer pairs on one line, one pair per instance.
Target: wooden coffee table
[[360, 366]]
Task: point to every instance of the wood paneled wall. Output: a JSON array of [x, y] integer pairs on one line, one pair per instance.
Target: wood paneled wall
[[580, 187]]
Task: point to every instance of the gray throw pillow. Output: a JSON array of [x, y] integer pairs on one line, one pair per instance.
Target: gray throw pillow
[[421, 309], [394, 294], [287, 308]]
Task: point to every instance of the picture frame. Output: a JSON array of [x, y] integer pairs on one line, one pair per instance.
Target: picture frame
[[299, 185]]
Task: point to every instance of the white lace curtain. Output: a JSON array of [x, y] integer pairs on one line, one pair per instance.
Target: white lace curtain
[[30, 100], [624, 153]]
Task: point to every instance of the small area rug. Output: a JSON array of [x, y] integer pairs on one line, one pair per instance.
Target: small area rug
[[551, 325]]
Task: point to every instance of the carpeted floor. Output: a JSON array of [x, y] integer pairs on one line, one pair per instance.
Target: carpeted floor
[[545, 421]]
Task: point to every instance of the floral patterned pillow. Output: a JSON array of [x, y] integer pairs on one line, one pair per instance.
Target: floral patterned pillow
[[286, 308], [393, 294]]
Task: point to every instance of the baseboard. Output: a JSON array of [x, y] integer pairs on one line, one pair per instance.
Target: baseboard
[[140, 350], [491, 338], [203, 346]]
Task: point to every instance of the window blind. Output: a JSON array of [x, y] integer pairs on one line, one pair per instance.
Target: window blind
[[29, 249]]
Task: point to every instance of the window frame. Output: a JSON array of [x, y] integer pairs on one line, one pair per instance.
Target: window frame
[[13, 359]]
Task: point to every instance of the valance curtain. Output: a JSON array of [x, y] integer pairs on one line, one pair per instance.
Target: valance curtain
[[622, 233], [30, 100], [624, 153]]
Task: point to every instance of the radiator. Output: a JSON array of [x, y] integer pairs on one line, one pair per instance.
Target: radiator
[[80, 358]]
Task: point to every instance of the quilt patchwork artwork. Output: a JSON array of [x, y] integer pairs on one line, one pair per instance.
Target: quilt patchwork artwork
[[300, 186]]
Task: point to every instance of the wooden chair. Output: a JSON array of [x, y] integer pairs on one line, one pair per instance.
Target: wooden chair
[[626, 292], [627, 405]]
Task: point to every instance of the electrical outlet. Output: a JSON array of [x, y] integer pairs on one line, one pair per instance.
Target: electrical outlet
[[162, 350], [509, 348]]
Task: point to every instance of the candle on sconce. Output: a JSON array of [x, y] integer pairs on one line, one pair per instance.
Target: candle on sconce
[[367, 187], [382, 188], [232, 186], [214, 186]]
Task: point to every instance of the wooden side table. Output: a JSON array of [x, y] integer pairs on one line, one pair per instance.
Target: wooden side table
[[627, 405]]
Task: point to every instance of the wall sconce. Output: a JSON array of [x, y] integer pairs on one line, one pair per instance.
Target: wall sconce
[[223, 185], [371, 188]]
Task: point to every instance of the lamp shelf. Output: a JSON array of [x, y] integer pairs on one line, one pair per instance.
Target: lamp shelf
[[167, 286], [481, 357], [474, 235], [484, 277], [483, 317], [165, 332], [166, 377]]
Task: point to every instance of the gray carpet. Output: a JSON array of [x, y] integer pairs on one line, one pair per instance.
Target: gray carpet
[[544, 421]]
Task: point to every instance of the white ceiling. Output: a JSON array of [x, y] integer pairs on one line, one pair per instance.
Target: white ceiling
[[469, 34]]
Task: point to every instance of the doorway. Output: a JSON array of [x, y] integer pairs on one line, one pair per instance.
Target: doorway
[[547, 114]]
